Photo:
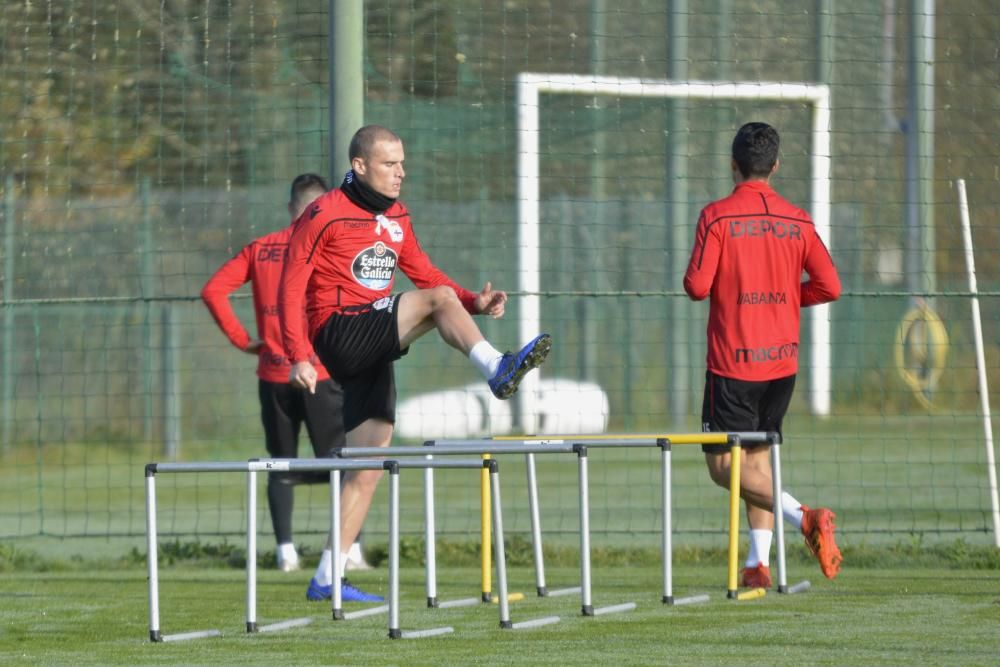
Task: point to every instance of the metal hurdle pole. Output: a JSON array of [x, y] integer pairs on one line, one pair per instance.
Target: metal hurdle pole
[[493, 471], [779, 520], [666, 540], [484, 535], [393, 468], [536, 526], [430, 548], [586, 604], [336, 597], [251, 550]]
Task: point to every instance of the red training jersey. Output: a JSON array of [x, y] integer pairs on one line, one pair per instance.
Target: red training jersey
[[749, 253], [343, 257], [260, 263]]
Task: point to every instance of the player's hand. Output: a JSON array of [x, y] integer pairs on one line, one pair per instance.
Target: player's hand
[[491, 302], [254, 347], [303, 376]]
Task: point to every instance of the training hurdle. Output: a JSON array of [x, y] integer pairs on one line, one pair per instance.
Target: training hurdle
[[665, 441], [335, 467]]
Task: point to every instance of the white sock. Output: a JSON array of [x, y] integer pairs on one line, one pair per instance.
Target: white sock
[[355, 552], [486, 358], [286, 551], [760, 547], [324, 573], [343, 564], [791, 509]]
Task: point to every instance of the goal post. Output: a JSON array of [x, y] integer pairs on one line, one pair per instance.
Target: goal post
[[530, 87]]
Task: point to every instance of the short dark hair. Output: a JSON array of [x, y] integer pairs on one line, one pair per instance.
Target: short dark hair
[[303, 185], [364, 140], [755, 150]]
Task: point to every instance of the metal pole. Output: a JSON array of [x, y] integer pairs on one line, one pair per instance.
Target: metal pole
[[586, 605], [920, 149], [486, 584], [779, 519], [430, 529], [146, 285], [598, 194], [336, 547], [668, 525], [171, 387], [151, 558], [345, 46], [824, 42], [394, 631], [683, 326], [501, 561], [977, 331], [9, 213], [536, 526], [251, 551]]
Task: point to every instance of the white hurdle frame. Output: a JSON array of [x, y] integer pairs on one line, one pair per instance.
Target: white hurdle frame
[[335, 467]]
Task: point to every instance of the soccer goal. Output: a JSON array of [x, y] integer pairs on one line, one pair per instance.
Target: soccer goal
[[529, 89]]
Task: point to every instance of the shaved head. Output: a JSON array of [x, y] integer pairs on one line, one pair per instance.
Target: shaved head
[[364, 141]]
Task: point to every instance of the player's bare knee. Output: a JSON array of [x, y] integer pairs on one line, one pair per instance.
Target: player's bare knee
[[442, 296]]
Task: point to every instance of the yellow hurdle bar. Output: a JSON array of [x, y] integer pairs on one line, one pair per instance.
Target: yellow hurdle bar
[[674, 438], [734, 515], [486, 533]]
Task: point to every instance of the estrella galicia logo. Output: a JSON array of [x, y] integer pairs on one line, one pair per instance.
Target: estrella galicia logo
[[375, 267]]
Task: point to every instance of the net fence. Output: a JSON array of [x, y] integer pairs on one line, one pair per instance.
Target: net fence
[[144, 143]]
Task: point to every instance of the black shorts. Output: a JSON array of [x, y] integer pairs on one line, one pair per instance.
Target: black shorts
[[283, 410], [358, 348], [738, 405]]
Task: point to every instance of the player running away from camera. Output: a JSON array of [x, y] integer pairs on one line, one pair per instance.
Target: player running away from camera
[[342, 262], [283, 408], [750, 251]]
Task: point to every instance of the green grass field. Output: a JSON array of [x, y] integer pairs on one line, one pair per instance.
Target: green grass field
[[880, 615], [921, 583]]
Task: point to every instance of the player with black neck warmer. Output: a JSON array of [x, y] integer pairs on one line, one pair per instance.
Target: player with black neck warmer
[[341, 267]]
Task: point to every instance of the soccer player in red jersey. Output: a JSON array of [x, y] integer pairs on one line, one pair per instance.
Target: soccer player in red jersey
[[342, 261], [284, 408], [750, 251]]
